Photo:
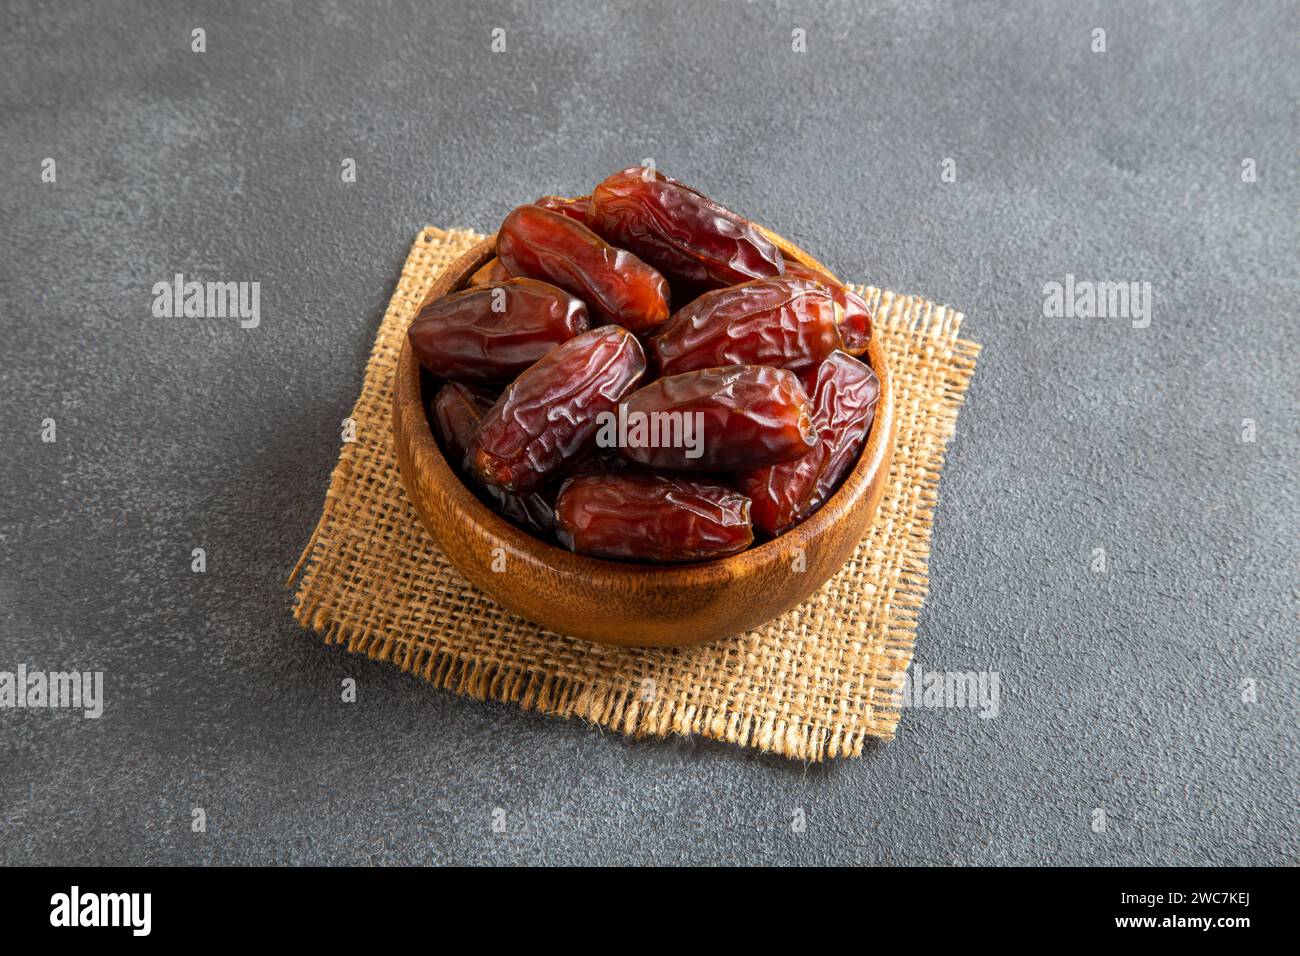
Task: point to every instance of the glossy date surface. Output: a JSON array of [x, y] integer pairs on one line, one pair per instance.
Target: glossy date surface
[[644, 517], [786, 322], [844, 395], [855, 317], [575, 209], [718, 419], [548, 417], [457, 411], [687, 236], [616, 285], [488, 334]]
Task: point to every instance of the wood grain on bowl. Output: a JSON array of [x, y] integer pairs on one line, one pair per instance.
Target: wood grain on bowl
[[621, 603]]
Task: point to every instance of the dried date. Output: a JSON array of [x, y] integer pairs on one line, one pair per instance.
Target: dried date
[[786, 322], [855, 318], [491, 333], [687, 236], [616, 285], [575, 209], [717, 419], [457, 412], [546, 419], [643, 517], [844, 396]]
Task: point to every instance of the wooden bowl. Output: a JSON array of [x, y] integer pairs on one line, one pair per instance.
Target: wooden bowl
[[614, 602]]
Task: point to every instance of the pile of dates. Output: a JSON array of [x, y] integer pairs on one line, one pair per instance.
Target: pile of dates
[[580, 405]]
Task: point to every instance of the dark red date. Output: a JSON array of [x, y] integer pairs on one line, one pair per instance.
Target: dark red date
[[855, 319], [616, 285], [457, 412], [643, 517], [684, 234], [780, 493], [844, 396], [787, 322], [717, 419], [491, 333], [532, 510], [846, 392], [575, 209], [548, 417]]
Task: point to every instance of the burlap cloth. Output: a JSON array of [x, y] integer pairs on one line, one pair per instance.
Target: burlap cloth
[[813, 684]]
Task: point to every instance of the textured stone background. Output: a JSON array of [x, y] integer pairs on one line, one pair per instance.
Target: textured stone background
[[1119, 690]]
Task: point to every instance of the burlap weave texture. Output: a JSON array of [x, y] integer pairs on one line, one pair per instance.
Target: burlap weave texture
[[813, 684]]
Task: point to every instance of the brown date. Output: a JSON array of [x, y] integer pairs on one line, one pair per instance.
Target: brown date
[[847, 391], [533, 510], [616, 285], [491, 333], [575, 209], [643, 517], [855, 319], [490, 273], [457, 411], [787, 322], [844, 395], [717, 419], [548, 416], [684, 234]]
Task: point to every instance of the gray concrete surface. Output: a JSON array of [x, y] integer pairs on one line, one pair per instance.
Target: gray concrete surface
[[1120, 690]]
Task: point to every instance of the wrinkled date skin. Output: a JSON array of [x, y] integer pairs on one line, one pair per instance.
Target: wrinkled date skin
[[457, 411], [855, 319], [844, 395], [618, 287], [718, 419], [488, 334], [491, 272], [687, 236], [575, 209], [787, 322], [548, 417], [642, 517], [846, 391]]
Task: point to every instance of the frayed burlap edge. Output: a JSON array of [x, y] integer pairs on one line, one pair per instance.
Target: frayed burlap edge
[[332, 593]]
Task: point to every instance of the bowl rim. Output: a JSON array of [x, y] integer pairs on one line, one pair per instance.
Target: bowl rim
[[423, 448]]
